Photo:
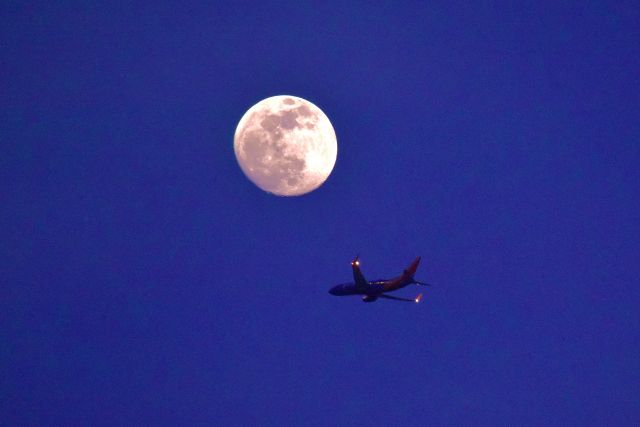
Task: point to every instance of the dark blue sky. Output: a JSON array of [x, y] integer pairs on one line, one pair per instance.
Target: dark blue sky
[[146, 281]]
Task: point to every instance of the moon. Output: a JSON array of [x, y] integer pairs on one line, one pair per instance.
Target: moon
[[286, 145]]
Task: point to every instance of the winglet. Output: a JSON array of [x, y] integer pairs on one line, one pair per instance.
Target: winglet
[[418, 298], [356, 261]]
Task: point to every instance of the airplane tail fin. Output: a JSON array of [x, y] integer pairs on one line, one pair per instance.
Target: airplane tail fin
[[411, 270]]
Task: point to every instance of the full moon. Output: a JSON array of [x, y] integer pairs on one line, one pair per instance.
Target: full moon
[[285, 145]]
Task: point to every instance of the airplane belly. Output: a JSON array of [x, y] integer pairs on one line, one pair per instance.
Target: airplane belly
[[376, 289], [392, 286]]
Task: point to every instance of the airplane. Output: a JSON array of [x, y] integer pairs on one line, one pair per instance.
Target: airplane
[[375, 289]]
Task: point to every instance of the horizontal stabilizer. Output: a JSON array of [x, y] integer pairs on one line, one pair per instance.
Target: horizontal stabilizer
[[421, 283]]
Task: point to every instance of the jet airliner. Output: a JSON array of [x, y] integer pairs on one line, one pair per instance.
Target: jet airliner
[[372, 290]]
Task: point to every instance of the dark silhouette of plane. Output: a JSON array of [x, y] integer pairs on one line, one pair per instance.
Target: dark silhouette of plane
[[375, 289]]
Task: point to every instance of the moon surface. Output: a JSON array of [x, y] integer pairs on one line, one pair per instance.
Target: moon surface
[[286, 145]]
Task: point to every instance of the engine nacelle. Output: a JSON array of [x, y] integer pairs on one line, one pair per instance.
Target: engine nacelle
[[369, 298]]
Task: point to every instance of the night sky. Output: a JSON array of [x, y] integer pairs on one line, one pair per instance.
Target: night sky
[[146, 281]]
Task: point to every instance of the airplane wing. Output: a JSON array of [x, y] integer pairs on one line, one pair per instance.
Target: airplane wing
[[416, 299], [358, 277]]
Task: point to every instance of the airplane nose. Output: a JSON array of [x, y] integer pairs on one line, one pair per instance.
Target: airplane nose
[[334, 290]]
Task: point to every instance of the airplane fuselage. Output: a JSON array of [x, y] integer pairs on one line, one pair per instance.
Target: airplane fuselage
[[373, 288]]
